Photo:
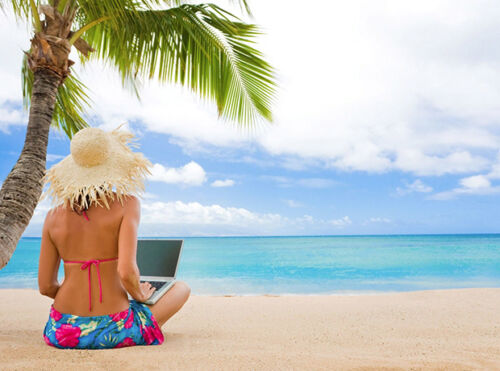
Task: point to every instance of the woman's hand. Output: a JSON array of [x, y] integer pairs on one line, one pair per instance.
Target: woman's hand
[[146, 290]]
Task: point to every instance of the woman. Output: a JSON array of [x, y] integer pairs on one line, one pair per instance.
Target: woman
[[94, 231]]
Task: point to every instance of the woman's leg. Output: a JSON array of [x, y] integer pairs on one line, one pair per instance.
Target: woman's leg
[[171, 302]]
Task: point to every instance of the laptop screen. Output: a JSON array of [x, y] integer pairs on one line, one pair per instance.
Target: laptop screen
[[158, 257]]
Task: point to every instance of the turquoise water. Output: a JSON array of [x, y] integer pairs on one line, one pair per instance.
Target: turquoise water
[[314, 265]]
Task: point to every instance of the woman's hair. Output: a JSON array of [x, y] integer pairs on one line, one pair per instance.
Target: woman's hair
[[84, 203], [81, 203]]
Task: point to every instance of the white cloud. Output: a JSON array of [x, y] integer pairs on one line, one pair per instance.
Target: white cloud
[[10, 117], [410, 87], [307, 219], [448, 195], [194, 218], [41, 209], [473, 185], [480, 184], [416, 186], [379, 220], [223, 183], [457, 162], [181, 218], [293, 203], [178, 212], [52, 157], [15, 39], [475, 182], [408, 107], [190, 174], [342, 222], [495, 169]]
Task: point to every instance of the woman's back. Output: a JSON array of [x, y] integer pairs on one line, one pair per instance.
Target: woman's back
[[91, 309], [77, 240]]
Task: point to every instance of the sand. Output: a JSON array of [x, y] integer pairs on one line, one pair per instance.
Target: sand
[[435, 330]]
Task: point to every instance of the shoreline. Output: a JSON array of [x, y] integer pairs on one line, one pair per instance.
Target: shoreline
[[430, 329]]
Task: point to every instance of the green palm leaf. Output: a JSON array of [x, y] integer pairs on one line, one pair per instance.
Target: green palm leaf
[[200, 46], [21, 8]]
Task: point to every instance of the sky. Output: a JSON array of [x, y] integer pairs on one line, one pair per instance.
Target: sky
[[386, 121]]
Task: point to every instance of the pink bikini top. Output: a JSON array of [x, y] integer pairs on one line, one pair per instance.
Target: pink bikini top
[[88, 264]]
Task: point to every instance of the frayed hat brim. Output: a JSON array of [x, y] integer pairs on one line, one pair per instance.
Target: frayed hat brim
[[123, 170]]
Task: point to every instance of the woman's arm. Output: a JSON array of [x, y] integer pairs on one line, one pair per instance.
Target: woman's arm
[[48, 264], [127, 250]]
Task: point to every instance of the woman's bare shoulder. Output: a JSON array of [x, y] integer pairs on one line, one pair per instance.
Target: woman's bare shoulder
[[115, 200], [127, 202], [55, 211], [131, 200], [53, 216]]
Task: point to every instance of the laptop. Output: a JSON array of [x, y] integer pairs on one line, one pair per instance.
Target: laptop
[[158, 261]]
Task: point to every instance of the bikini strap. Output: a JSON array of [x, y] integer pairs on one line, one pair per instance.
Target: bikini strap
[[88, 264]]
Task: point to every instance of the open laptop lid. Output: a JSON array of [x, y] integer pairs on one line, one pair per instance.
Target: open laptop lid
[[158, 259]]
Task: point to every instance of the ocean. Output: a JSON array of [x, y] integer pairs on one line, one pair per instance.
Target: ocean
[[311, 265]]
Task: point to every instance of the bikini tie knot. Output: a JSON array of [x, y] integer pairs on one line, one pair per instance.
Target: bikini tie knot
[[88, 263]]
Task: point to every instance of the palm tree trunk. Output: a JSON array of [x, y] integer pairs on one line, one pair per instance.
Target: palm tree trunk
[[22, 188]]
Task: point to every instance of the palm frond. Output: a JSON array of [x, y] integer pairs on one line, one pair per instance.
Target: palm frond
[[71, 101], [243, 6], [21, 8], [200, 46], [151, 4], [24, 11]]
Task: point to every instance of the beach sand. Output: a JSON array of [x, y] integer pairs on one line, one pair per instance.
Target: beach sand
[[441, 329]]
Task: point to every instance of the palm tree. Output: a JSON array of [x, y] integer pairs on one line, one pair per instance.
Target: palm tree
[[201, 46]]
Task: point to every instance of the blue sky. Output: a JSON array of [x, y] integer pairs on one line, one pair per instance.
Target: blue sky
[[387, 122]]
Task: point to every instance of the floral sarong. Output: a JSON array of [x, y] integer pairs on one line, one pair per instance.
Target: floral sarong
[[133, 326]]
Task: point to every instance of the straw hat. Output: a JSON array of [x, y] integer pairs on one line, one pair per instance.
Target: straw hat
[[99, 161]]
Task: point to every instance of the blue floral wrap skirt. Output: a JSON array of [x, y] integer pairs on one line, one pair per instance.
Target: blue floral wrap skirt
[[133, 326]]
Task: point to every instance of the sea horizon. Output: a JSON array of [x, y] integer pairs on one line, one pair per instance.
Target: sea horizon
[[312, 235], [313, 265]]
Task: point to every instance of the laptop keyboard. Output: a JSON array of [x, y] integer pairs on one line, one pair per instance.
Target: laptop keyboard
[[156, 284]]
